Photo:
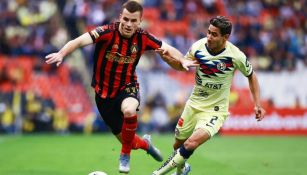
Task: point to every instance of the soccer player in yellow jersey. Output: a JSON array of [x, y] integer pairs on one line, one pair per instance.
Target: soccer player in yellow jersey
[[207, 108]]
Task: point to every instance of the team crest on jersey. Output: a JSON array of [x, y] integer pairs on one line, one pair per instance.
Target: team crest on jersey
[[221, 66], [213, 68], [134, 48]]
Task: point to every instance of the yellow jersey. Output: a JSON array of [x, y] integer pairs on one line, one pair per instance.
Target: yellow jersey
[[214, 75]]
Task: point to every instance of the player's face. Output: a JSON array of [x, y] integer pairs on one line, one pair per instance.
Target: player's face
[[129, 22], [216, 41]]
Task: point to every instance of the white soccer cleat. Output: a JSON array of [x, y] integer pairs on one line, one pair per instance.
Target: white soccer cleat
[[124, 163]]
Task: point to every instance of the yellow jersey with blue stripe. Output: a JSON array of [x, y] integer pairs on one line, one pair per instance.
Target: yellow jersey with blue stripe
[[214, 75]]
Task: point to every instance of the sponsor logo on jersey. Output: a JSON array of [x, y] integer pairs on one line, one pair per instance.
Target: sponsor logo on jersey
[[117, 57], [213, 85]]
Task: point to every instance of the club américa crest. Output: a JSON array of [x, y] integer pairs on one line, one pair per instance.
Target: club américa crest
[[221, 66]]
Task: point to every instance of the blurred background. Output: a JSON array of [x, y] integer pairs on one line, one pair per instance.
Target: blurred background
[[36, 97]]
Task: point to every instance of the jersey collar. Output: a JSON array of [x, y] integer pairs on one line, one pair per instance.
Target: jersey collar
[[213, 54]]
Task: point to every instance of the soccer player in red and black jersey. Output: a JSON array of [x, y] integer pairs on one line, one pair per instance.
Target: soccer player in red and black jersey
[[119, 47]]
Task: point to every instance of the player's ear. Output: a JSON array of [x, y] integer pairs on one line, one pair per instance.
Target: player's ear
[[141, 17], [226, 37]]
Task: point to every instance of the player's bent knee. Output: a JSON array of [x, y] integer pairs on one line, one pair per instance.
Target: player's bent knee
[[129, 107], [178, 143], [129, 112], [176, 146]]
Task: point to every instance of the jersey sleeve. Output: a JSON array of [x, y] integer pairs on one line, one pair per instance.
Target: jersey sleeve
[[152, 42], [242, 63], [99, 33], [190, 55]]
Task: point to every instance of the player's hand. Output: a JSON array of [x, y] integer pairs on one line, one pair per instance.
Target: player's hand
[[54, 58], [186, 64], [260, 112]]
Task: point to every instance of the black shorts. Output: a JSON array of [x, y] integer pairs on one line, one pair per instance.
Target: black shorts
[[110, 108]]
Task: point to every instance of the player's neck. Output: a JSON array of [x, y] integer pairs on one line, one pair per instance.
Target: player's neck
[[216, 51]]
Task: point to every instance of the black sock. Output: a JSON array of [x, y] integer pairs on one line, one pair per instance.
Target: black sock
[[185, 153]]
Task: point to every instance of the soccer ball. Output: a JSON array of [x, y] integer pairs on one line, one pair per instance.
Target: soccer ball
[[97, 173]]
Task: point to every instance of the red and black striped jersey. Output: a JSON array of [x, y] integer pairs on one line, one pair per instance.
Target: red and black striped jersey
[[116, 57]]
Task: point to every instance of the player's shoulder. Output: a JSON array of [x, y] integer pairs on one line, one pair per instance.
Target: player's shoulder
[[107, 28], [112, 26], [199, 44], [234, 50], [147, 34], [142, 31]]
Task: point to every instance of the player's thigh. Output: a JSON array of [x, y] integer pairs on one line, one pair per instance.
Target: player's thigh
[[186, 123], [210, 122], [110, 114]]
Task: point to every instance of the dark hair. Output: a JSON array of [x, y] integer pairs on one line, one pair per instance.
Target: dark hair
[[133, 6], [222, 23]]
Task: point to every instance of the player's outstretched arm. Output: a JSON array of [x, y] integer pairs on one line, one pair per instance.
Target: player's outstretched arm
[[255, 90], [174, 63], [174, 58], [68, 48]]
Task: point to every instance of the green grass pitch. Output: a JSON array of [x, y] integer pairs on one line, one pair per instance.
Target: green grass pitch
[[81, 154]]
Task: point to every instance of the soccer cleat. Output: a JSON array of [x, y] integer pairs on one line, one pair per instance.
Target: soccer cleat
[[124, 163], [185, 170], [167, 166], [153, 151]]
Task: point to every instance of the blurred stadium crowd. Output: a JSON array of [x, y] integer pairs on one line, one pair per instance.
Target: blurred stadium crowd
[[36, 97]]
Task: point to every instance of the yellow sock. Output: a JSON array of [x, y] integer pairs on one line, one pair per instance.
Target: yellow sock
[[173, 161]]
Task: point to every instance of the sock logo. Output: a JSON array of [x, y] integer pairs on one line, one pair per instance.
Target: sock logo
[[174, 164]]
